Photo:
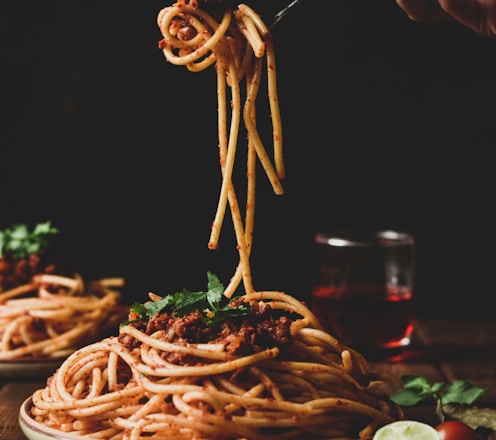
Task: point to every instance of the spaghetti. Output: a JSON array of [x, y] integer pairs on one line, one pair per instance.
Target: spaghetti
[[237, 42], [139, 385], [53, 315], [257, 366]]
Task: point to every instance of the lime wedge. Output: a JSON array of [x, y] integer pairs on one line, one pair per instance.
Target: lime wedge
[[406, 430]]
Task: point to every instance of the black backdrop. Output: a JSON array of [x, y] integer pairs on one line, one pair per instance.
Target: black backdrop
[[387, 123]]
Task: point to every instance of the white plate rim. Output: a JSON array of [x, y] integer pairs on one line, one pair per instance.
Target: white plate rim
[[34, 430]]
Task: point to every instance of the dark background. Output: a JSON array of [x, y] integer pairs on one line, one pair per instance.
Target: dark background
[[387, 124]]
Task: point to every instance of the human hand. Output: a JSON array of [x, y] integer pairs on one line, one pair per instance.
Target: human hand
[[478, 15]]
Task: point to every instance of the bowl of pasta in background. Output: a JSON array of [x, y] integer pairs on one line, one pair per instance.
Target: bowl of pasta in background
[[44, 321], [47, 309]]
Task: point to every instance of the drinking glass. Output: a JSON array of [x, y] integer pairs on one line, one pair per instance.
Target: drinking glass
[[363, 287]]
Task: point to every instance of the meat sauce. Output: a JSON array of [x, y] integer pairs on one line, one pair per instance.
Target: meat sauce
[[262, 327]]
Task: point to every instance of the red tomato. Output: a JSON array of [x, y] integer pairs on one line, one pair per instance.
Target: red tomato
[[455, 430]]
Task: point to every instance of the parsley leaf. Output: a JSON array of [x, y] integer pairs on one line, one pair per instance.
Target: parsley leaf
[[19, 242], [454, 399], [417, 389], [209, 304], [460, 391]]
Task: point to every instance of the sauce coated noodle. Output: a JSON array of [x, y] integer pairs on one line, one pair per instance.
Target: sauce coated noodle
[[314, 388]]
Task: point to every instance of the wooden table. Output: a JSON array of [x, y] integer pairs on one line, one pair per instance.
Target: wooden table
[[442, 350]]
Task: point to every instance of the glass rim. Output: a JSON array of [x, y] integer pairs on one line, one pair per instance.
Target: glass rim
[[364, 238]]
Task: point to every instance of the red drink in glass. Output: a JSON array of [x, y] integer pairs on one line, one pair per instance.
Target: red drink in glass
[[363, 288], [362, 316]]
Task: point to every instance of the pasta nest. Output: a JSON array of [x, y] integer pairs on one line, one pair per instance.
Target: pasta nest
[[313, 388]]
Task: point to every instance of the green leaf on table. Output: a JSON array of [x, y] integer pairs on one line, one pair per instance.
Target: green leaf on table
[[418, 389], [452, 401], [460, 391]]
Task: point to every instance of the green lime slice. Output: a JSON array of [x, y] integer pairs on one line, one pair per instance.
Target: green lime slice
[[406, 430]]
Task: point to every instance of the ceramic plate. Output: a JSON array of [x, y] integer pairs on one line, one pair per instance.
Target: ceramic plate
[[33, 369], [37, 431]]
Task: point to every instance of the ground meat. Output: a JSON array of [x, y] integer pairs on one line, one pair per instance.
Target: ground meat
[[238, 344], [128, 341], [17, 271], [262, 327], [161, 321], [191, 327]]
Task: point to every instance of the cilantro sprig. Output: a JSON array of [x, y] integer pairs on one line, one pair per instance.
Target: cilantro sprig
[[212, 304], [452, 400], [418, 389], [19, 242]]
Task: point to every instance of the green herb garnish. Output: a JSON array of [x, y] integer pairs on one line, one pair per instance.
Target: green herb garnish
[[19, 242], [212, 304], [417, 389], [453, 400]]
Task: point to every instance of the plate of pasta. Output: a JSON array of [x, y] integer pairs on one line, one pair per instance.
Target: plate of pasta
[[44, 321], [46, 313], [199, 365], [229, 362]]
